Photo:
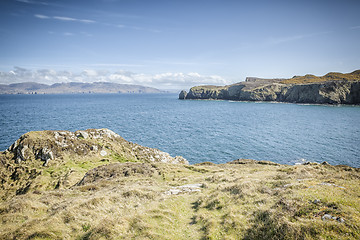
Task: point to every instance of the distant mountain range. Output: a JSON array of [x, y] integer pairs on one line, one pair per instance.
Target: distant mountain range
[[74, 87]]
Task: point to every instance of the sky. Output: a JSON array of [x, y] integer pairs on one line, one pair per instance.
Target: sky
[[176, 44]]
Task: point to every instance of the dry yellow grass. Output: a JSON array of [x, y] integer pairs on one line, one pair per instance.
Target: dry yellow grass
[[332, 76], [236, 201]]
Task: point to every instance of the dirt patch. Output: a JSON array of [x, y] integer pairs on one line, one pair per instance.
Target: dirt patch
[[118, 170]]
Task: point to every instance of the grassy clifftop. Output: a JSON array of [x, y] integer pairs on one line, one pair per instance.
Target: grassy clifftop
[[145, 199], [332, 76]]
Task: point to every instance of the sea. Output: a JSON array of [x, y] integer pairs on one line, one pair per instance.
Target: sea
[[199, 130]]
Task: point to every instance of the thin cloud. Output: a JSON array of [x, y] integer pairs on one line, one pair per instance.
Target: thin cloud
[[115, 65], [275, 41], [73, 19], [33, 2], [355, 27], [65, 19], [41, 16]]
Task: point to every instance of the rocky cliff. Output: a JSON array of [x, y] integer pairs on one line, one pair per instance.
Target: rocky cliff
[[333, 88]]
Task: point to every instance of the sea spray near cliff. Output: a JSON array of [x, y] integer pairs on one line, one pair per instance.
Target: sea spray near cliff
[[217, 131]]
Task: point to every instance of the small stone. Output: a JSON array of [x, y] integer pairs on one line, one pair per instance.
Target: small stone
[[82, 134], [340, 220], [103, 153], [316, 201], [326, 217]]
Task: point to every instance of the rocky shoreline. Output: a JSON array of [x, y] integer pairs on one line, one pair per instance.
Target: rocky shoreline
[[333, 88]]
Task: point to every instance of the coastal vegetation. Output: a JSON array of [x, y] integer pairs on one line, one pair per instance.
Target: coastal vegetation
[[93, 184], [332, 76]]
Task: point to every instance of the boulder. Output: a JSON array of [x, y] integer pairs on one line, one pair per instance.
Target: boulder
[[182, 94]]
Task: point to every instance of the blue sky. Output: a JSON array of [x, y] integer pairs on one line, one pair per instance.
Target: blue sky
[[175, 44]]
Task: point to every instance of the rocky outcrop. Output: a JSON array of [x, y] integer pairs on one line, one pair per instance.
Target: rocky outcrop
[[31, 162], [182, 94], [51, 145], [341, 90]]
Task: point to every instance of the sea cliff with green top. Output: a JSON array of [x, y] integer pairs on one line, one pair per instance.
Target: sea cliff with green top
[[332, 88]]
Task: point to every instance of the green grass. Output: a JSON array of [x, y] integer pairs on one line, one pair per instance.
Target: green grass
[[237, 201]]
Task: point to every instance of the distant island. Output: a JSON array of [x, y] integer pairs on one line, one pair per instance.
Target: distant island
[[332, 88], [74, 87]]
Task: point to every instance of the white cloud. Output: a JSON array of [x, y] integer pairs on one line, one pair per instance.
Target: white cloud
[[32, 2], [90, 72], [86, 21], [167, 80], [65, 19], [41, 16]]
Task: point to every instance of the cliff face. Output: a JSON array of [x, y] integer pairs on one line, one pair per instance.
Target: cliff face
[[341, 90]]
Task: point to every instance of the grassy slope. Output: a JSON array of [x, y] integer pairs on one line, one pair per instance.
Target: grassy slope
[[237, 201], [332, 76]]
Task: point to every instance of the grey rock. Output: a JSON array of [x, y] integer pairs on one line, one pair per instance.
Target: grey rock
[[182, 94], [329, 217], [103, 153], [82, 134], [188, 188], [326, 217], [45, 155], [331, 184]]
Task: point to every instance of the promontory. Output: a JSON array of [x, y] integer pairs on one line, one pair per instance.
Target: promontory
[[332, 88]]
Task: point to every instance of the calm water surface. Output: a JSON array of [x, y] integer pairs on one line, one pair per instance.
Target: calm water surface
[[217, 131]]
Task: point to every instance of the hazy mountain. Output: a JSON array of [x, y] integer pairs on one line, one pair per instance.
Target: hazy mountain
[[74, 87]]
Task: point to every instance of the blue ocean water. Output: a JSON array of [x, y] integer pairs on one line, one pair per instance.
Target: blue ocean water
[[216, 131]]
